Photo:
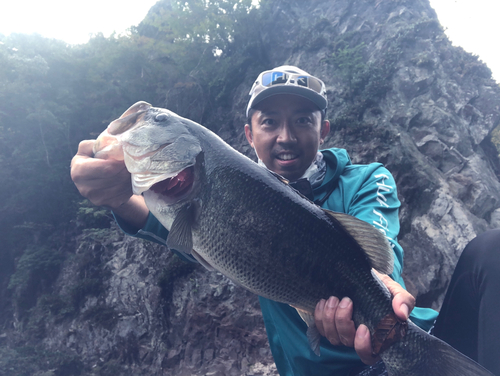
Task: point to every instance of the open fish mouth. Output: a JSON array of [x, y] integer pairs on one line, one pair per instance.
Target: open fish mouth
[[177, 186]]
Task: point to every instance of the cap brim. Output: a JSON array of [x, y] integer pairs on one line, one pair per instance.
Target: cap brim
[[304, 92]]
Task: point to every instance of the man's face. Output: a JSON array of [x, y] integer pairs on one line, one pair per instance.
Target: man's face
[[286, 133]]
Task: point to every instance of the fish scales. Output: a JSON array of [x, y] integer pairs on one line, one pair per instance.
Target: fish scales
[[244, 221], [277, 252]]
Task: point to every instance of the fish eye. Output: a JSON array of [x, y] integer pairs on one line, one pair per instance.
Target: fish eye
[[161, 117]]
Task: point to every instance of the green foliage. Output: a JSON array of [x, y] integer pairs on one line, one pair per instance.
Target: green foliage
[[199, 22], [93, 217], [349, 62], [54, 95]]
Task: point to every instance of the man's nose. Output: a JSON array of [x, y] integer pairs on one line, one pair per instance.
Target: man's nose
[[286, 134]]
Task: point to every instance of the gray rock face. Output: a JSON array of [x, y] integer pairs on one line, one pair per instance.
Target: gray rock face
[[158, 315], [399, 94], [404, 96]]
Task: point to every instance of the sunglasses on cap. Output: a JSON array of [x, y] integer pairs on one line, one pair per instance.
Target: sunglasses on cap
[[271, 78]]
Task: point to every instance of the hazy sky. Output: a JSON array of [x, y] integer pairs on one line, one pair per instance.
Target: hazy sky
[[471, 24], [474, 25]]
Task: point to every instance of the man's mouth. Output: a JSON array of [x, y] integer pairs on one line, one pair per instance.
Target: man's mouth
[[286, 156]]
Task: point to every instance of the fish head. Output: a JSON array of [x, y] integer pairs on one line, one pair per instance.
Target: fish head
[[162, 153]]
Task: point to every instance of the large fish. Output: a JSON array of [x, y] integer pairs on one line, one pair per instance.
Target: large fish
[[242, 220]]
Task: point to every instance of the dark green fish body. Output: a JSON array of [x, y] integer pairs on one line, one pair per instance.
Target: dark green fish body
[[263, 234], [238, 218]]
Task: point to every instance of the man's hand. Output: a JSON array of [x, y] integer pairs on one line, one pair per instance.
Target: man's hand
[[333, 319], [106, 182]]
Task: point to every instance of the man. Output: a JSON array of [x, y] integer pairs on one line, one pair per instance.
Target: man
[[286, 127]]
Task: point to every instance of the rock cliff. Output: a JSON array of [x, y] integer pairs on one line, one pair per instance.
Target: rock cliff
[[402, 95], [399, 94]]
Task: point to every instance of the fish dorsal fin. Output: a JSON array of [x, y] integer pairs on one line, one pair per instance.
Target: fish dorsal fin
[[180, 236], [371, 240]]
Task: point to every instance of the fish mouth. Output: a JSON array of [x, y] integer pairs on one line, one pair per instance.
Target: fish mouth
[[177, 186]]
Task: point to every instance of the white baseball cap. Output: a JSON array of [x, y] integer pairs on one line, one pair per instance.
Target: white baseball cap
[[288, 79]]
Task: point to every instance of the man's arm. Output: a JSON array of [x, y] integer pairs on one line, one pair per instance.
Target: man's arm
[[107, 183]]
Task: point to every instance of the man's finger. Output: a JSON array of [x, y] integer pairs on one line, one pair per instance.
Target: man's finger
[[86, 168], [86, 148], [343, 322], [402, 301], [325, 319], [363, 345]]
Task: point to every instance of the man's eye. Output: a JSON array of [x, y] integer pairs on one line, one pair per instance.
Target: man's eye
[[304, 120], [269, 122]]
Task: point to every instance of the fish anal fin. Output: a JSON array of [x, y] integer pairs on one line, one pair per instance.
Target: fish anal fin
[[372, 241], [313, 335], [180, 236]]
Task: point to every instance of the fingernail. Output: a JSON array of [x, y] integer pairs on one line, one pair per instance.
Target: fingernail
[[344, 303], [362, 332], [405, 309], [333, 302], [321, 304]]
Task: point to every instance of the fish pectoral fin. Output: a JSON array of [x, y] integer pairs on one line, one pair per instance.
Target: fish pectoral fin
[[313, 335], [371, 240], [180, 236]]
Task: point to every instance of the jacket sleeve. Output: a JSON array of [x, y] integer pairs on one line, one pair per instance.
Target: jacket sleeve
[[376, 202], [153, 231]]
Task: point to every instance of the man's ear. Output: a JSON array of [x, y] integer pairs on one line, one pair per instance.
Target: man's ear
[[249, 135], [325, 129]]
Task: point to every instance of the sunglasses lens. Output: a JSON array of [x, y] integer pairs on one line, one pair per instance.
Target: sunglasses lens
[[315, 84], [302, 81], [274, 78], [277, 78]]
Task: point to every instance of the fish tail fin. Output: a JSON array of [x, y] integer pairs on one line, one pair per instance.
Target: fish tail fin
[[420, 353]]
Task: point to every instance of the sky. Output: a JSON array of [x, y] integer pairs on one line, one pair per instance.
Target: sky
[[471, 24]]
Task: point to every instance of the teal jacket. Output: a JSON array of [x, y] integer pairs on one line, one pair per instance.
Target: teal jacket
[[367, 192]]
